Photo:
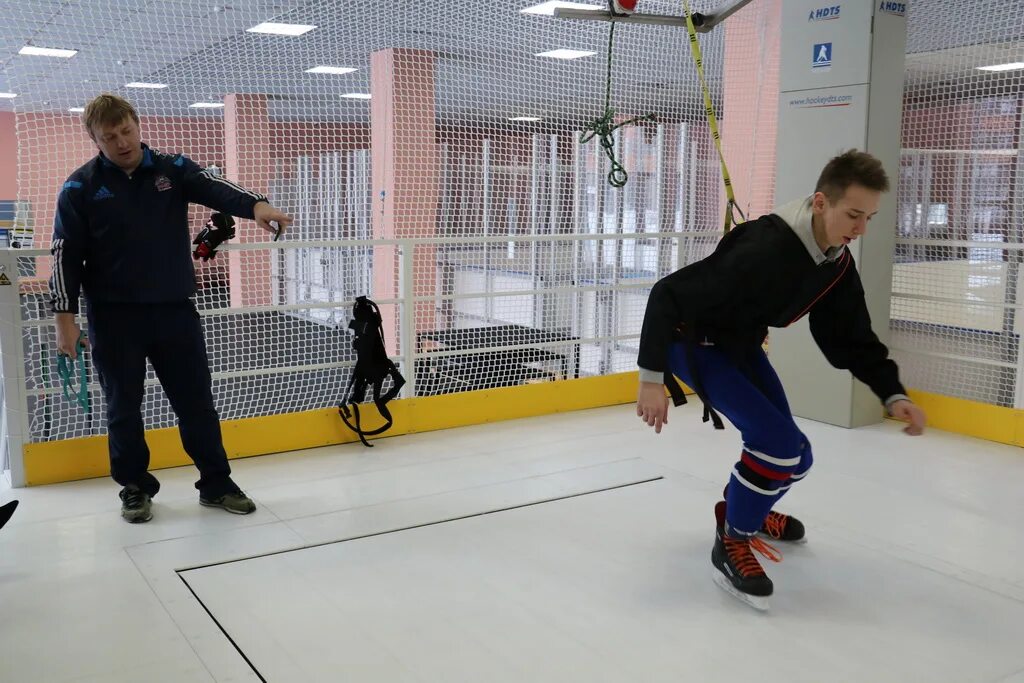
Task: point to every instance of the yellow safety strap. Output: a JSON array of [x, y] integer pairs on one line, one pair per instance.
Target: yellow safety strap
[[709, 109]]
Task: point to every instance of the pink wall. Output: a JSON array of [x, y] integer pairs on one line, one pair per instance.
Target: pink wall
[[751, 102], [8, 157], [956, 125], [247, 141], [290, 140], [405, 166], [507, 150], [963, 125], [54, 145]]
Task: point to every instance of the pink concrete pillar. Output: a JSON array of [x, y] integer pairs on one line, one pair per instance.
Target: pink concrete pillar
[[405, 177], [8, 157], [42, 169], [249, 162], [751, 103]]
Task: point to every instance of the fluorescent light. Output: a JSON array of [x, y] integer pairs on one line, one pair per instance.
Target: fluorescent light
[[330, 70], [548, 8], [139, 84], [46, 51], [206, 105], [281, 29], [7, 95], [77, 110], [357, 95], [566, 54], [1012, 66], [525, 118]]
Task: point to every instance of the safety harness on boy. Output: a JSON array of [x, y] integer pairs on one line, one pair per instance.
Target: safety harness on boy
[[372, 367], [679, 398]]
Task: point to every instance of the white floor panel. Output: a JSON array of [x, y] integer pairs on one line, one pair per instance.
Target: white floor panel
[[913, 572], [89, 619], [608, 586], [351, 523], [158, 561]]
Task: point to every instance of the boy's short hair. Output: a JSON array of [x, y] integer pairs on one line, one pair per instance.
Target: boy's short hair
[[851, 168], [107, 110]]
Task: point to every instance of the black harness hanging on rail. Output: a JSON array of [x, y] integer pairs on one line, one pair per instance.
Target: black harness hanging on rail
[[372, 367]]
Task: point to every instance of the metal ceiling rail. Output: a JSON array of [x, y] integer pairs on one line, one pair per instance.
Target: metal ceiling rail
[[703, 23]]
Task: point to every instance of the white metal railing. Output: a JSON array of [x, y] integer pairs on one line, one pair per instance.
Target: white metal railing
[[608, 335]]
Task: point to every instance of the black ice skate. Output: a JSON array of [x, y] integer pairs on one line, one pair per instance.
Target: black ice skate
[[783, 527], [737, 570], [777, 526]]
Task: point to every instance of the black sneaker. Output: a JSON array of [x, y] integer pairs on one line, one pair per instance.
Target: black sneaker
[[135, 504], [237, 503]]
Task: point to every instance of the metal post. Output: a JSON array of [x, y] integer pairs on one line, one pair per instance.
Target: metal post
[[407, 317], [304, 175], [15, 432], [691, 193], [553, 279], [600, 189], [349, 256], [579, 169], [623, 145], [1015, 235], [486, 225], [446, 185], [364, 229], [336, 260], [668, 180], [535, 224]]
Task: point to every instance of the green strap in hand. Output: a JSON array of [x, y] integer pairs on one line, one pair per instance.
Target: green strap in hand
[[65, 370]]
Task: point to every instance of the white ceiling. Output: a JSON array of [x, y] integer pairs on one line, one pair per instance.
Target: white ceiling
[[486, 48], [486, 68]]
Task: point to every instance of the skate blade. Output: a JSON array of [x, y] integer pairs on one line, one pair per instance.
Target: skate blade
[[772, 539], [757, 602]]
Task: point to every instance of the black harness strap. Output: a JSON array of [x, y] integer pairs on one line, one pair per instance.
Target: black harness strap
[[372, 368], [685, 334], [679, 398], [698, 388]]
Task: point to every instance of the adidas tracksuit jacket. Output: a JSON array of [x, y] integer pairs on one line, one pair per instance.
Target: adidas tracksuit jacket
[[124, 240]]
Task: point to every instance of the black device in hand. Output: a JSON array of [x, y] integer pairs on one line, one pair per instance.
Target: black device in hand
[[219, 229]]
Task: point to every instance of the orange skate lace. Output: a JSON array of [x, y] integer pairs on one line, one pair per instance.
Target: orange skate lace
[[740, 552], [775, 524]]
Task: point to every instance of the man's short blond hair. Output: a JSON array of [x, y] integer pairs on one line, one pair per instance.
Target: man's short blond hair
[[107, 110]]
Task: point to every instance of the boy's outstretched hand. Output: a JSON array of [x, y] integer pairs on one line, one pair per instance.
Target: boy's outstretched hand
[[652, 405], [910, 413]]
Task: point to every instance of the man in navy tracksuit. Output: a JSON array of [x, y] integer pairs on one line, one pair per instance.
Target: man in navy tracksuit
[[705, 324], [121, 234]]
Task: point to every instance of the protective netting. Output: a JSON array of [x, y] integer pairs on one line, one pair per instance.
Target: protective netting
[[956, 273], [751, 103], [498, 250]]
